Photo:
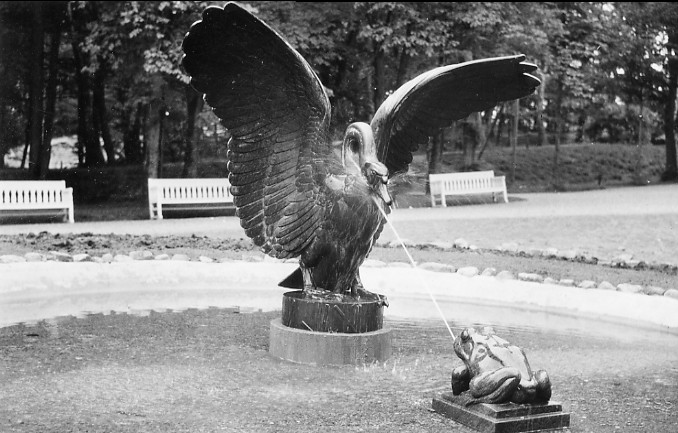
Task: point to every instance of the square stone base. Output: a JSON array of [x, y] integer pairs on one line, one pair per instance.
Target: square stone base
[[502, 418]]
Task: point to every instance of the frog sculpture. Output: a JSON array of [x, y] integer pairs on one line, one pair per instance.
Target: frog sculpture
[[496, 371]]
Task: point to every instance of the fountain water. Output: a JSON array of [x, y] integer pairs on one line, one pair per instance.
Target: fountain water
[[414, 265]]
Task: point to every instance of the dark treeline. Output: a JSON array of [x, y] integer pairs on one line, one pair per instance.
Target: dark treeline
[[109, 72]]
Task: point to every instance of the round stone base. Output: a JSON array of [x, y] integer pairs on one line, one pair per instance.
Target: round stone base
[[329, 348]]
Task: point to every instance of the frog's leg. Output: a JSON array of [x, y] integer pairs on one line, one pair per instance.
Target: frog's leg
[[495, 386], [460, 380], [535, 390], [543, 386], [526, 392]]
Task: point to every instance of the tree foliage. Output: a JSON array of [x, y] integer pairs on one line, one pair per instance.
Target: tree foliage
[[609, 72]]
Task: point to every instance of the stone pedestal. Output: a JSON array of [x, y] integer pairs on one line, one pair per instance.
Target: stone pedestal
[[330, 329], [503, 418], [328, 348], [331, 313]]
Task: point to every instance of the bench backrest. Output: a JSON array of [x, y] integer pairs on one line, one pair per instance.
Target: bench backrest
[[181, 188], [464, 180], [32, 191]]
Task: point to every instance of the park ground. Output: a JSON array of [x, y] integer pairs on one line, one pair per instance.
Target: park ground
[[209, 369]]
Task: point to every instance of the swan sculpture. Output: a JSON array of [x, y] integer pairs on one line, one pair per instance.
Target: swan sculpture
[[293, 195]]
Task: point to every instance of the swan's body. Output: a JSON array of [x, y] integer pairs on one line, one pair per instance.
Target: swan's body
[[292, 197]]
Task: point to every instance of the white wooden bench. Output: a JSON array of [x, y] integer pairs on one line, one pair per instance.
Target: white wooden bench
[[466, 183], [36, 197], [203, 194]]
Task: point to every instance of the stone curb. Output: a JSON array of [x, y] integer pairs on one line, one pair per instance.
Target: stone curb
[[624, 261], [467, 271]]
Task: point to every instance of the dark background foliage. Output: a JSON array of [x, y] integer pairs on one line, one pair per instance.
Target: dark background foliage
[[108, 74]]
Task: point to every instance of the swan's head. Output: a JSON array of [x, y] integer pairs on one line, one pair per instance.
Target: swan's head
[[359, 156], [376, 175]]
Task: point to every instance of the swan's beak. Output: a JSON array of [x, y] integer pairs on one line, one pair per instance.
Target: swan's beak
[[384, 194]]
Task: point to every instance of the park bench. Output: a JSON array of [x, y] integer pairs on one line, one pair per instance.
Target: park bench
[[466, 183], [36, 197], [187, 194]]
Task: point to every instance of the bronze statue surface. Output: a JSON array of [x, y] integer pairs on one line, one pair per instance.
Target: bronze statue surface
[[496, 371], [294, 198]]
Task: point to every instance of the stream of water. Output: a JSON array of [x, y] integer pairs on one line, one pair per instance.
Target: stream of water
[[414, 265]]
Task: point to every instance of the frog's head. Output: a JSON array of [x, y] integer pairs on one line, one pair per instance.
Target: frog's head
[[464, 344], [471, 346]]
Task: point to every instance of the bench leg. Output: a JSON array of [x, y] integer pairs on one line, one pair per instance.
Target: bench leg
[[505, 197], [443, 200], [155, 211]]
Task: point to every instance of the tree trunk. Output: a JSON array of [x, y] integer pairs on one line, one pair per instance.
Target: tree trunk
[[671, 170], [88, 137], [27, 135], [435, 156], [194, 103], [2, 125], [403, 62], [89, 147], [153, 128], [638, 176], [379, 65], [641, 119], [478, 138], [153, 136], [369, 83], [514, 138], [403, 67], [558, 133], [500, 130], [142, 130], [46, 151], [132, 131], [492, 126], [100, 112], [36, 90], [559, 113], [541, 127]]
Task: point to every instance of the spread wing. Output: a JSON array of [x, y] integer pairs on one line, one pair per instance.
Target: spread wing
[[435, 99], [278, 113]]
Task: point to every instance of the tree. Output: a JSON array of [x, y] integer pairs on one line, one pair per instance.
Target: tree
[[36, 89], [657, 25], [158, 28], [14, 21], [89, 147], [45, 23]]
